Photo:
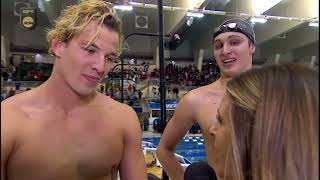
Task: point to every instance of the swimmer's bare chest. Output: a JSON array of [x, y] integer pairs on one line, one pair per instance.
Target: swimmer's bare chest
[[207, 110], [206, 117], [89, 147]]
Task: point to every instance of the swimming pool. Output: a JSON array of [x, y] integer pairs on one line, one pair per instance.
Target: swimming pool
[[192, 147]]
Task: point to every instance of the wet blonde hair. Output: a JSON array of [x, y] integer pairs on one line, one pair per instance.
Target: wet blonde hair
[[274, 123], [75, 18]]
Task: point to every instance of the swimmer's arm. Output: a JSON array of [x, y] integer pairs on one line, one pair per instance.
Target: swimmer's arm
[[175, 130], [7, 138], [4, 153], [132, 165]]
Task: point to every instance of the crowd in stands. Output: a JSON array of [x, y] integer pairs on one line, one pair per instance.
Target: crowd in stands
[[176, 76], [132, 72], [190, 75], [26, 72], [8, 73]]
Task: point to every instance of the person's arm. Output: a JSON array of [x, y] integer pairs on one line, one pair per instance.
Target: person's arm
[[132, 165], [175, 130], [7, 138]]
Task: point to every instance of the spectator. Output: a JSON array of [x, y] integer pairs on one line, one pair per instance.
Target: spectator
[[101, 88], [140, 93], [146, 124], [154, 91], [11, 92]]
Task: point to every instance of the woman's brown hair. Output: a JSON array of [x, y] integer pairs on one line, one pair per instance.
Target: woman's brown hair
[[274, 121]]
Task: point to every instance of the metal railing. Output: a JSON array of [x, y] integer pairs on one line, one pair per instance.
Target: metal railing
[[22, 83]]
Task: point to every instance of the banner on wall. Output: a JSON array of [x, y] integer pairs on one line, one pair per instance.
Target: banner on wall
[[170, 105], [28, 18]]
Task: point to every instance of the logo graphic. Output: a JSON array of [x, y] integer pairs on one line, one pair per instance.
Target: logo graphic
[[28, 18]]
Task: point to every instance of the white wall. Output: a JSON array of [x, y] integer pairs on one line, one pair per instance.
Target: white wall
[[4, 51]]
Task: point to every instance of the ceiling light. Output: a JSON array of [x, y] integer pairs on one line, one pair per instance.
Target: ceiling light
[[314, 24], [195, 14], [196, 3], [258, 20], [123, 7], [260, 6]]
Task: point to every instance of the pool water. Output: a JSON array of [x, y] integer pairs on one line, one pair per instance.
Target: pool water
[[192, 147]]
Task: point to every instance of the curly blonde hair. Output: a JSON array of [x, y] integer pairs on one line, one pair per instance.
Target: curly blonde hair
[[76, 17]]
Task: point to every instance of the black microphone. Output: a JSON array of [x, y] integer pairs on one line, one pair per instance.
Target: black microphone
[[199, 171]]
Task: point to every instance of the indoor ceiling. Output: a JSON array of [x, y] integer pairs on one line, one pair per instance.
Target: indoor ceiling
[[292, 39]]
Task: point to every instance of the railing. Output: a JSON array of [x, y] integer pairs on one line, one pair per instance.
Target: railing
[[22, 83], [154, 82]]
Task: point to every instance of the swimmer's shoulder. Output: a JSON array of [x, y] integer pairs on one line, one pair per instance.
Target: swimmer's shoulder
[[122, 114], [12, 114], [16, 102], [115, 106], [203, 92]]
